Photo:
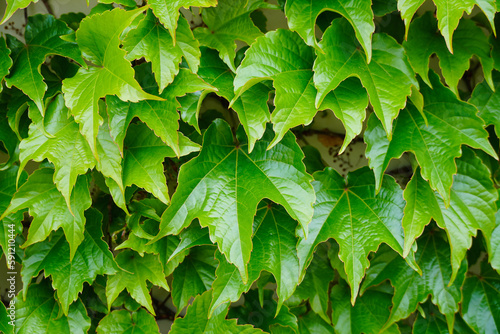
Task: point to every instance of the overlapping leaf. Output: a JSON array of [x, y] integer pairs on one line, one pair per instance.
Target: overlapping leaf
[[494, 250], [436, 140], [348, 211], [42, 39], [5, 61], [13, 5], [302, 16], [312, 323], [431, 321], [223, 185], [487, 102], [6, 322], [388, 78], [122, 321]]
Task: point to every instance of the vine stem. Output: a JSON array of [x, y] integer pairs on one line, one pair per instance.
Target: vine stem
[[47, 5]]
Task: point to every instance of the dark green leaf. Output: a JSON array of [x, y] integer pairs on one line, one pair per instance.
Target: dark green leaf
[[122, 321], [488, 102]]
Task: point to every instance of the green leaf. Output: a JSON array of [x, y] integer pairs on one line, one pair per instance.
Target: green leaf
[[192, 236], [98, 38], [494, 250], [449, 13], [193, 276], [92, 258], [167, 11], [433, 322], [10, 142], [226, 23], [281, 56], [7, 318], [481, 302], [274, 251], [42, 39], [423, 42], [49, 209], [13, 5], [312, 323], [411, 288], [40, 313], [302, 15], [436, 141], [388, 78], [136, 271], [487, 102], [122, 321], [197, 321], [61, 143], [153, 42], [348, 211], [367, 316], [5, 61], [223, 185]]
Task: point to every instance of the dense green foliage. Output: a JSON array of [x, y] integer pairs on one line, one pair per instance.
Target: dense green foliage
[[128, 195]]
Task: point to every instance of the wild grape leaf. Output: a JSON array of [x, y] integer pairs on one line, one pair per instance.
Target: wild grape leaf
[[153, 42], [274, 251], [193, 235], [223, 185], [411, 288], [98, 38], [388, 78], [302, 15], [281, 56], [487, 102], [348, 211], [481, 302], [49, 209], [5, 61], [471, 207], [6, 322], [42, 37], [251, 106], [193, 276], [436, 141], [431, 321], [423, 42], [368, 315], [40, 312], [161, 116], [92, 258], [167, 11], [123, 321], [449, 13], [312, 323], [13, 5], [197, 320], [226, 23], [62, 144], [494, 250]]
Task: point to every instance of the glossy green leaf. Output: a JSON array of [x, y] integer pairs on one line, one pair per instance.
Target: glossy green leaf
[[153, 42], [494, 250], [124, 322], [7, 321], [436, 141], [487, 102], [226, 23], [433, 322], [9, 141], [274, 251], [192, 236], [348, 211], [388, 78], [5, 61], [49, 209], [137, 270], [42, 39], [314, 324], [423, 42], [223, 185], [40, 313], [13, 5], [302, 16], [98, 38], [281, 56]]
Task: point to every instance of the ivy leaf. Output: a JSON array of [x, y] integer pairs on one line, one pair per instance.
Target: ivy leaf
[[302, 15], [487, 102], [61, 143], [281, 56], [481, 302], [388, 78], [136, 271], [431, 321], [153, 42], [436, 141], [92, 258], [6, 322], [42, 39], [98, 38], [197, 320], [49, 210], [40, 313], [168, 11], [312, 323], [226, 23], [193, 276], [13, 5], [423, 42], [274, 251], [192, 236], [223, 185], [5, 61], [449, 13], [123, 321]]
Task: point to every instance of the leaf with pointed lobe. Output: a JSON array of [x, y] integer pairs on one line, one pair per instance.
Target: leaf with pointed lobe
[[124, 322], [487, 102], [193, 235], [13, 5], [6, 326], [5, 61], [10, 143], [312, 323], [431, 321]]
